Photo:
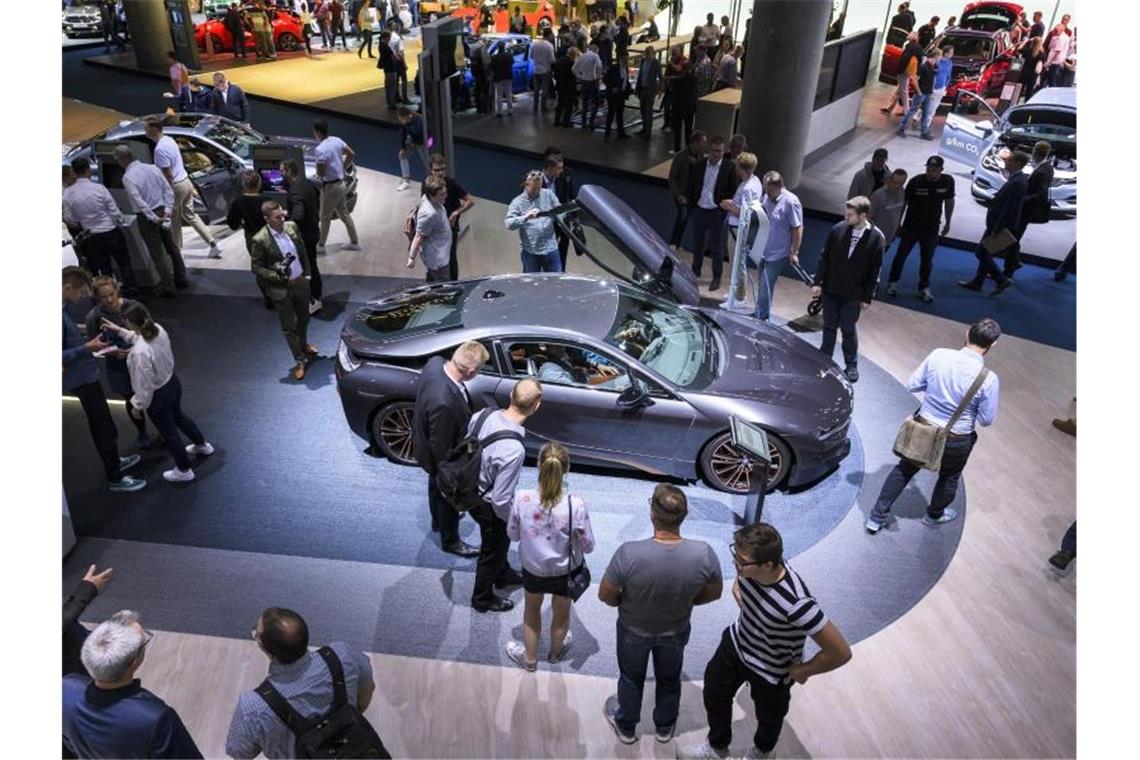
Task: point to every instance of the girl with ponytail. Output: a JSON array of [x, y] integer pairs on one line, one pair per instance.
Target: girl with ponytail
[[540, 522], [157, 391]]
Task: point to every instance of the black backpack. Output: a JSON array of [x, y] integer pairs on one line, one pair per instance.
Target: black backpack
[[342, 732], [457, 476]]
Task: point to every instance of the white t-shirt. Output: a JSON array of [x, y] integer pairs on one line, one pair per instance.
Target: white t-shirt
[[167, 156], [330, 152]]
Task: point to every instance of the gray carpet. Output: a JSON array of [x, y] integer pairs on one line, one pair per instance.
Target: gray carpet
[[292, 511]]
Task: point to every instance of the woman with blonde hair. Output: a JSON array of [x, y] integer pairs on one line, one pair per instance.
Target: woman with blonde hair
[[553, 531]]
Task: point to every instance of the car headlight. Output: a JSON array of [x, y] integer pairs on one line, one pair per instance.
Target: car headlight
[[990, 161], [345, 357]]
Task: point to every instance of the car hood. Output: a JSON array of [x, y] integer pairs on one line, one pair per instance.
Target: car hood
[[771, 364], [307, 144]]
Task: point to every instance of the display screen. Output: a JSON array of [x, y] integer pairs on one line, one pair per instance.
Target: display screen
[[749, 437], [272, 181]]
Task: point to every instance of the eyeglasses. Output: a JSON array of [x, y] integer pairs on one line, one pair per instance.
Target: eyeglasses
[[736, 558]]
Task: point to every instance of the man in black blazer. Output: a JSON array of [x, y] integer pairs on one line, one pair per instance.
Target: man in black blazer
[[1003, 213], [646, 85], [228, 100], [303, 204], [713, 179], [442, 412], [235, 25], [1034, 207], [846, 279], [557, 177]]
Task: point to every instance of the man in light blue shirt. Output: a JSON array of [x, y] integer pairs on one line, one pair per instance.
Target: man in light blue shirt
[[941, 82], [785, 233], [945, 376], [537, 242]]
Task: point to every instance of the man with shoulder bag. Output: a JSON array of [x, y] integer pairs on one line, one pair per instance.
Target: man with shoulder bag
[[959, 394]]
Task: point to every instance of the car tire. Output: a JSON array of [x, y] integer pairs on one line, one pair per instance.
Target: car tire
[[288, 42], [391, 429], [725, 468]]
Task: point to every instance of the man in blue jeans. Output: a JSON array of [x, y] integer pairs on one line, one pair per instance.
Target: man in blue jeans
[[785, 234], [654, 583], [538, 244]]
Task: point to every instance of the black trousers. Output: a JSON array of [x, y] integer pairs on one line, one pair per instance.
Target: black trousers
[[166, 413], [591, 97], [954, 458], [987, 267], [564, 108], [1012, 254], [927, 243], [401, 82], [453, 254], [100, 247], [103, 431], [482, 90], [1069, 265], [681, 121], [158, 240], [679, 223], [615, 109], [1069, 542], [442, 514], [708, 237], [724, 675], [310, 240], [239, 45], [366, 39], [841, 314], [645, 104], [293, 313], [492, 562]]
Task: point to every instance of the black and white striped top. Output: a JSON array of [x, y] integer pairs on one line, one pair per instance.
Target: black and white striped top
[[774, 621]]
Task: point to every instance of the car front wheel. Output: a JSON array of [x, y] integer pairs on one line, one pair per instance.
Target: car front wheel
[[288, 42], [392, 432], [727, 468]]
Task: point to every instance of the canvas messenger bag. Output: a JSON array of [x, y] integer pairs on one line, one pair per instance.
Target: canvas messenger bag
[[922, 442]]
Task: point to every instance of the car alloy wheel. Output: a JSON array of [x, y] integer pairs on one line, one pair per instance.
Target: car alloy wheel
[[392, 432], [288, 42], [727, 468]]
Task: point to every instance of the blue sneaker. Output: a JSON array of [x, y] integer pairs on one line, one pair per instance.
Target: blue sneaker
[[947, 515], [126, 484], [610, 709]]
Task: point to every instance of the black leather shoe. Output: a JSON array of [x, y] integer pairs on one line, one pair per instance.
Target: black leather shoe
[[714, 285], [461, 549], [511, 577], [973, 285], [1002, 287], [501, 604], [852, 373]]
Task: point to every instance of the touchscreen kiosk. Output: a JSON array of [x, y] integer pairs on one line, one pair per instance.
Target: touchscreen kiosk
[[752, 441]]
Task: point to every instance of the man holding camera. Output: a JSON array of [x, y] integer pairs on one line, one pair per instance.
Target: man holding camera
[[279, 260]]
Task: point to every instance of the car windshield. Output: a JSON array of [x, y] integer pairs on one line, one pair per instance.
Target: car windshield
[[416, 310], [971, 48], [235, 137], [1048, 124], [986, 21], [676, 343]]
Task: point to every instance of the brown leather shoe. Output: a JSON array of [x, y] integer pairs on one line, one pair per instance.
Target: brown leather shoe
[[310, 350], [1067, 426], [299, 372]]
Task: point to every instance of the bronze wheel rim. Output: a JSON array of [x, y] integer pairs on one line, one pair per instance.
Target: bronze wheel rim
[[733, 469], [395, 433]]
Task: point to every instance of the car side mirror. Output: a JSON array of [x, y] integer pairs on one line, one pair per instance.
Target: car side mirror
[[634, 397]]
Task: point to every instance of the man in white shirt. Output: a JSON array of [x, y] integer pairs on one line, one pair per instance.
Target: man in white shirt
[[945, 377], [542, 53], [331, 153], [152, 198], [588, 72], [90, 207], [168, 158]]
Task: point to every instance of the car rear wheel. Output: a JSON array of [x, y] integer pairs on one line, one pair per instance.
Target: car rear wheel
[[727, 468], [288, 42], [392, 432]]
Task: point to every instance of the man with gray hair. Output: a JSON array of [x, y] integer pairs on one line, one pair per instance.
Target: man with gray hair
[[152, 198], [110, 714]]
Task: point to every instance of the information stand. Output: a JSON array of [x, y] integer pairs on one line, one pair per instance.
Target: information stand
[[754, 225], [753, 442], [267, 160]]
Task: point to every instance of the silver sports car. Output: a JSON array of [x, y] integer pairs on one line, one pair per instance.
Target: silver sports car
[[631, 378], [215, 151]]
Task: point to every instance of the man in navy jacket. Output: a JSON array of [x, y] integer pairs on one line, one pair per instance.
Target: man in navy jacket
[[228, 100], [1003, 213]]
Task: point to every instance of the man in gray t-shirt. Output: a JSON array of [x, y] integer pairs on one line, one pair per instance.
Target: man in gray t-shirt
[[655, 583], [433, 232]]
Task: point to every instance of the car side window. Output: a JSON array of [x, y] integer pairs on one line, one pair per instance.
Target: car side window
[[198, 157], [567, 364]]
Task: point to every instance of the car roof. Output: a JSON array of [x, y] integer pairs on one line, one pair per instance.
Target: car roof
[[1056, 97], [182, 123], [578, 303]]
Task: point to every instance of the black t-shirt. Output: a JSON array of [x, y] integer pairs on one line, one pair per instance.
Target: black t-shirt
[[1037, 30], [902, 21], [912, 50], [924, 198], [926, 34], [926, 74]]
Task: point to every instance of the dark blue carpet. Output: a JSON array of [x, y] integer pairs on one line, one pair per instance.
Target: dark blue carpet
[[1036, 308]]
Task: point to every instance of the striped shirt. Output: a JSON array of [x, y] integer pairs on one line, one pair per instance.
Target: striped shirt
[[773, 624]]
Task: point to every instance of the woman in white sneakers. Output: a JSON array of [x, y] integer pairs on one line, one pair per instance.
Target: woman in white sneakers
[[541, 523], [157, 390]]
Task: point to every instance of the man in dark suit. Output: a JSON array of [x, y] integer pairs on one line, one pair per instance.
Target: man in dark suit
[[439, 421], [228, 100], [235, 25], [1003, 213], [278, 258], [557, 178], [303, 204], [646, 85], [712, 180], [846, 279], [1035, 205]]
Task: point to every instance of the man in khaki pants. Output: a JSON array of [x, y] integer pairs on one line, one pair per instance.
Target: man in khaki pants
[[168, 158], [331, 154]]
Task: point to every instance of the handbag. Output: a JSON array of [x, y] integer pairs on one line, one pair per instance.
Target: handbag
[[999, 241], [922, 442], [578, 578]]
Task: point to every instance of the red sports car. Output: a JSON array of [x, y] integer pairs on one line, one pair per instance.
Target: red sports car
[[286, 32], [542, 17], [988, 16]]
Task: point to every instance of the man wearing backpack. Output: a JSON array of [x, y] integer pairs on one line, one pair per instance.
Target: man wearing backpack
[[303, 685], [442, 411], [502, 459]]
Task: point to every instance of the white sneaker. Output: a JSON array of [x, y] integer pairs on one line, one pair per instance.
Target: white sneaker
[[350, 247], [703, 751], [215, 251], [315, 305], [566, 642], [756, 754], [402, 186], [206, 449], [178, 476], [517, 652]]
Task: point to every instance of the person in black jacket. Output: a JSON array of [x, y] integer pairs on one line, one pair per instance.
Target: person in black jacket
[[228, 100], [712, 180], [615, 100], [684, 89], [1003, 213], [390, 66], [75, 634], [245, 214], [442, 412], [303, 204], [1035, 205], [557, 177], [566, 87], [235, 25], [846, 279]]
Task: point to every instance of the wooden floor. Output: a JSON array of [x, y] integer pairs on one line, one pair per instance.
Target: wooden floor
[[83, 120], [984, 666]]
